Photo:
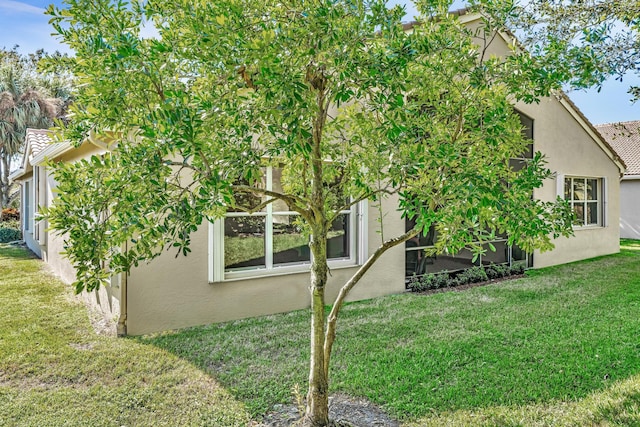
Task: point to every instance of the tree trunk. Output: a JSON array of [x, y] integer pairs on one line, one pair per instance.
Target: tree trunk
[[5, 186], [317, 411]]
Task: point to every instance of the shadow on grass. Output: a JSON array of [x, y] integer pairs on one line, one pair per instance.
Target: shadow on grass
[[560, 335]]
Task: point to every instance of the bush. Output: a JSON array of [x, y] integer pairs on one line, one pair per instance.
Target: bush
[[13, 223], [517, 268], [9, 234], [471, 275], [429, 282], [496, 271], [10, 214]]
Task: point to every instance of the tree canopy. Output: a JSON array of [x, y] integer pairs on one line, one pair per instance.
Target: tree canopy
[[586, 42], [28, 98], [347, 101]]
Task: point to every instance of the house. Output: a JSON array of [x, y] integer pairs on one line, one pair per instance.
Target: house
[[624, 137], [219, 282]]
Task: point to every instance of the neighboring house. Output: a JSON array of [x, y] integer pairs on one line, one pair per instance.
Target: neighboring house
[[215, 284], [624, 137]]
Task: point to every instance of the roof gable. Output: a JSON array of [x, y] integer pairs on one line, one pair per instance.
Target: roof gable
[[467, 16], [38, 140]]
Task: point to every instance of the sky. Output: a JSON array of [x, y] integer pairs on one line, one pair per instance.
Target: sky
[[23, 23]]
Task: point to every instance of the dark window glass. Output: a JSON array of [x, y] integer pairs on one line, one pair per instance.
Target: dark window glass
[[592, 213], [499, 256], [289, 245], [527, 132], [338, 238], [244, 243], [517, 164]]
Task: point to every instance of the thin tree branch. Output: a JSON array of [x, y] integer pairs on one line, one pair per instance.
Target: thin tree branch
[[182, 165], [357, 200], [294, 202], [332, 319]]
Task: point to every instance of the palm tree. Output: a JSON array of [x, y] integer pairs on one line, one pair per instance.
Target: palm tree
[[22, 106]]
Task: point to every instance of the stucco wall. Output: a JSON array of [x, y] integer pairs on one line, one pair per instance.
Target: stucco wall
[[571, 151], [630, 209], [31, 243], [28, 235], [106, 300], [172, 292]]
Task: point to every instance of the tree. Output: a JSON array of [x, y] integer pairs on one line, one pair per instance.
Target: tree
[[28, 99], [586, 41], [335, 92]]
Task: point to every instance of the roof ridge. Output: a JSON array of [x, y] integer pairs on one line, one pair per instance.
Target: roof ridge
[[617, 123]]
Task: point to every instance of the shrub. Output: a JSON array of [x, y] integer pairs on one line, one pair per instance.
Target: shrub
[[472, 275], [496, 271], [517, 269], [419, 284], [453, 282], [429, 281], [13, 223], [9, 234], [442, 280], [10, 214]]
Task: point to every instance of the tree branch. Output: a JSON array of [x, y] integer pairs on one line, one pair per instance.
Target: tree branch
[[365, 196], [182, 165], [332, 319], [292, 201]]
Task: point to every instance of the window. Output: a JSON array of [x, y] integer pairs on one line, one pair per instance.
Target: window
[[417, 263], [585, 197], [519, 162], [271, 241], [27, 206]]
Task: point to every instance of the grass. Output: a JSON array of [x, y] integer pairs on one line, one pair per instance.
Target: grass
[[559, 347], [54, 370]]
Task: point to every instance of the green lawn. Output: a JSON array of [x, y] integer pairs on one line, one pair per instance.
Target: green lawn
[[558, 348], [55, 371]]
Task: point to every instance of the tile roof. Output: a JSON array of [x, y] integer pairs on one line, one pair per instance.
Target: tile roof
[[624, 137], [39, 139]]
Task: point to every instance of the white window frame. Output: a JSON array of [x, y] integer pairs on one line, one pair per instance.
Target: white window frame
[[40, 224], [28, 206], [357, 244], [600, 200]]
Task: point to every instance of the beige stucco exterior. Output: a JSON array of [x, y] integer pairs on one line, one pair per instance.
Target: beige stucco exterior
[[172, 292], [48, 245], [571, 149]]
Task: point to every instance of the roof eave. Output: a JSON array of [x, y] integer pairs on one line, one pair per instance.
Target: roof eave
[[573, 109], [17, 174], [51, 152]]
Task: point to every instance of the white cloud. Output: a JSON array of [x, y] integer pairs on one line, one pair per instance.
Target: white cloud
[[17, 6]]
